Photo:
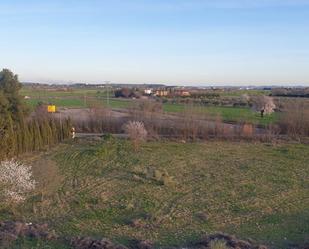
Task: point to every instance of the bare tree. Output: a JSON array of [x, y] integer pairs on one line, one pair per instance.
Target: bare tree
[[294, 119], [136, 131]]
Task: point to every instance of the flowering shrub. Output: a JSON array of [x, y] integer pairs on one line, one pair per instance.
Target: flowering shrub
[[263, 103], [16, 179], [136, 131]]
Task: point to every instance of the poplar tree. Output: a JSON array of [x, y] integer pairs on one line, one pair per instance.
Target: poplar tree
[[18, 134]]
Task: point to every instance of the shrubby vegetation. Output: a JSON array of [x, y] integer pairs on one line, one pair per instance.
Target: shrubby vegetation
[[290, 92], [218, 244], [136, 131], [20, 132], [294, 120], [127, 93]]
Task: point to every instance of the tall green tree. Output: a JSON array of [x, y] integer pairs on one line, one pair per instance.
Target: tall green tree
[[9, 88], [6, 125], [19, 134]]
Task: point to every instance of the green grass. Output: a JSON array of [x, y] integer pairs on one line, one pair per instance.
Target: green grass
[[250, 190], [228, 114], [75, 102], [37, 244], [75, 92], [120, 103], [168, 107], [59, 102]]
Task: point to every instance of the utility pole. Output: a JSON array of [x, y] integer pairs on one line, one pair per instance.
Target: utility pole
[[107, 96]]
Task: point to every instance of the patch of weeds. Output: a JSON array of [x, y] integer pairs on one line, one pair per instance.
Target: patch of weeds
[[283, 150], [38, 244], [107, 136], [239, 209], [160, 176], [248, 190], [218, 244], [5, 212], [202, 216], [272, 219]]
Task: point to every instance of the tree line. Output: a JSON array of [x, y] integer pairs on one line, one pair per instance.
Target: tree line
[[291, 92], [21, 132]]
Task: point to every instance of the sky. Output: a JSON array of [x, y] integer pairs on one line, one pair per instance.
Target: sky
[[177, 42]]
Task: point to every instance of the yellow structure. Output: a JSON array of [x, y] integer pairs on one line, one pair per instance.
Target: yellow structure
[[51, 108]]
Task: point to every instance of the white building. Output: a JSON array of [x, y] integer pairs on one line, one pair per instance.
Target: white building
[[148, 91]]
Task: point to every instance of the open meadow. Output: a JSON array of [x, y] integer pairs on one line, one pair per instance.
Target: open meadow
[[85, 98], [163, 124], [169, 192]]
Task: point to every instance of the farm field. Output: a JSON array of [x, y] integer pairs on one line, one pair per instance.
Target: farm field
[[170, 193], [79, 102], [157, 124], [79, 98], [25, 91], [227, 114]]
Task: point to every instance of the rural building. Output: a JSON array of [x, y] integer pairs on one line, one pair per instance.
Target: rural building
[[148, 91], [182, 93], [161, 93]]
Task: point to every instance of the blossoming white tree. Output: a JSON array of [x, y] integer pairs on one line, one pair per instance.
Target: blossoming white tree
[[16, 180], [263, 103]]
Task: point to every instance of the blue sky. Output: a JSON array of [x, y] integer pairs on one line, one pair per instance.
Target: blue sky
[[196, 42]]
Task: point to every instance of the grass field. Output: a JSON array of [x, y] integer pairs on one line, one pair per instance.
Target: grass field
[[37, 92], [74, 92], [59, 102], [79, 102], [172, 192], [229, 114], [86, 97]]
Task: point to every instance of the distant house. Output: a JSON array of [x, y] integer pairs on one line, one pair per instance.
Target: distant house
[[181, 93], [186, 94], [161, 93], [148, 91]]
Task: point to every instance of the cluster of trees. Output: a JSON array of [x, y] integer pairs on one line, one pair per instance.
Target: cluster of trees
[[205, 95], [291, 92], [127, 93], [20, 132]]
